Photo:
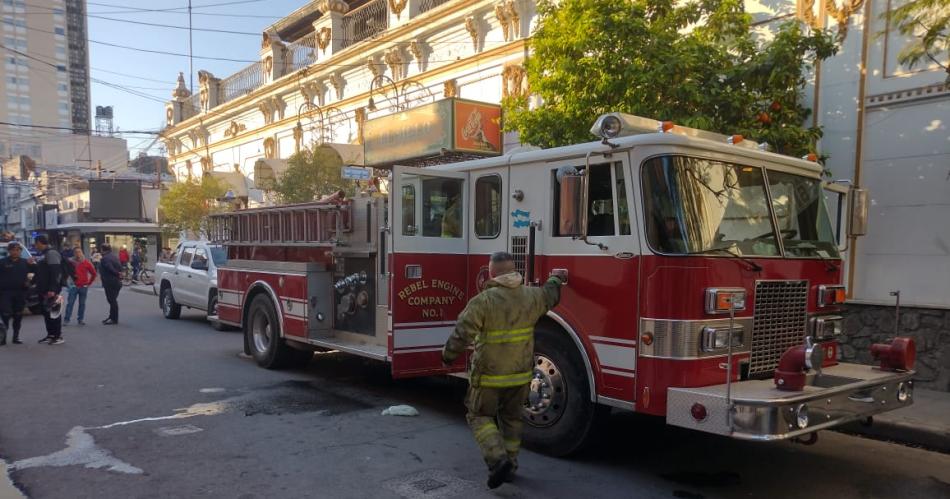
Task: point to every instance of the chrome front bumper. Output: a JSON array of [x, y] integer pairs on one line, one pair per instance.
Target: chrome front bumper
[[842, 393]]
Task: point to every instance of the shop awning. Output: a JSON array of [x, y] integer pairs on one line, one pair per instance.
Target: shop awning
[[235, 182], [110, 227]]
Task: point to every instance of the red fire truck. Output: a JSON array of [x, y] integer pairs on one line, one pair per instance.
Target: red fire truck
[[704, 280]]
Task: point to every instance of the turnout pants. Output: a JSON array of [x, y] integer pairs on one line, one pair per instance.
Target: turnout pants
[[12, 304], [112, 296], [494, 415]]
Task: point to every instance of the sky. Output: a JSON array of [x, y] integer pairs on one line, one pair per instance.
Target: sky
[[155, 75]]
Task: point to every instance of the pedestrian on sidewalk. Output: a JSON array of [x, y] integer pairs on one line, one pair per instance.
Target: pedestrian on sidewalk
[[13, 287], [111, 277], [136, 262], [49, 284], [83, 277], [96, 258], [500, 322]]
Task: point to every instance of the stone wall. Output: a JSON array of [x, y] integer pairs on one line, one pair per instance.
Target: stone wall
[[929, 327]]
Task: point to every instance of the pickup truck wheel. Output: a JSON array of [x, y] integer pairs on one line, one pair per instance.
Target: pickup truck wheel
[[170, 309], [559, 415], [262, 333], [213, 312]]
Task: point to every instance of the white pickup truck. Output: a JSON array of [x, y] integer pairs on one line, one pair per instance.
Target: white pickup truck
[[190, 280]]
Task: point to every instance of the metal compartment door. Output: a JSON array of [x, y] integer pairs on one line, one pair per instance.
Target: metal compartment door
[[428, 271]]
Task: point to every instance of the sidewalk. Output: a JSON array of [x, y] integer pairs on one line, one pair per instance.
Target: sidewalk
[[925, 423]]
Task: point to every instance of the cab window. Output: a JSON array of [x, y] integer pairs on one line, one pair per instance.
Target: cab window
[[488, 207], [409, 210], [606, 200], [200, 257], [187, 255]]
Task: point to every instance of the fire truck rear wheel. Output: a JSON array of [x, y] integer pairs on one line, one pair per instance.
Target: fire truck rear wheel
[[262, 333], [559, 415]]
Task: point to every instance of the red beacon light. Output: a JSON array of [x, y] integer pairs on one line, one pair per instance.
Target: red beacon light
[[665, 126], [899, 355], [735, 139]]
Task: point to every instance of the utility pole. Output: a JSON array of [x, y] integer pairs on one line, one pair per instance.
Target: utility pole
[[191, 54], [99, 169], [157, 163]]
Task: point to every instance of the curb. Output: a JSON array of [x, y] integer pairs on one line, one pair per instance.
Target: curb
[[145, 290], [902, 432]]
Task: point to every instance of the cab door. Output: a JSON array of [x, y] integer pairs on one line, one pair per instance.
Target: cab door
[[429, 262]]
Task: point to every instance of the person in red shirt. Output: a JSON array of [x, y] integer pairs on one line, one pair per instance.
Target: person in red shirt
[[124, 256], [84, 274]]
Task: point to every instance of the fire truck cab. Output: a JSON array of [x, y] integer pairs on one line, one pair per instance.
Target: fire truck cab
[[704, 280]]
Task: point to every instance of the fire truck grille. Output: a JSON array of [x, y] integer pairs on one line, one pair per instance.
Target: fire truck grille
[[519, 248], [779, 322]]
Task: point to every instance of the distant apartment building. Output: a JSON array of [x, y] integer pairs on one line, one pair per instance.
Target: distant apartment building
[[45, 72]]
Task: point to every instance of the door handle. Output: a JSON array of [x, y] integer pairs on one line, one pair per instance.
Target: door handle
[[624, 255]]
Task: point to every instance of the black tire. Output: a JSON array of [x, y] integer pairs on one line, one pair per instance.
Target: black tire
[[213, 311], [170, 309], [564, 423], [262, 335]]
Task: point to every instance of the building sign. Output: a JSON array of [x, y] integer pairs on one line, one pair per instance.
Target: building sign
[[355, 173], [444, 126]]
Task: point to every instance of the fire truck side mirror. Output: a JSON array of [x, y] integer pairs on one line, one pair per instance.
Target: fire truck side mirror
[[572, 216], [858, 225]]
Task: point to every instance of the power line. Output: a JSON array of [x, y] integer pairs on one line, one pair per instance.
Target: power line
[[177, 9], [172, 26], [79, 130]]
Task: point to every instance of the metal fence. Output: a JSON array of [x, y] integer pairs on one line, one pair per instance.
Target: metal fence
[[428, 5], [366, 21], [241, 83], [302, 52]]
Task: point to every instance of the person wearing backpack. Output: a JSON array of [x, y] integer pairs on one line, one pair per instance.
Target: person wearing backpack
[[83, 275]]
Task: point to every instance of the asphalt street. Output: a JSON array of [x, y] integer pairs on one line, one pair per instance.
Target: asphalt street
[[156, 408]]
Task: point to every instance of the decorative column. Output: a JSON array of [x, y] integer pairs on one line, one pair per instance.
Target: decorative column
[[328, 29], [175, 111], [402, 11], [208, 89], [274, 62]]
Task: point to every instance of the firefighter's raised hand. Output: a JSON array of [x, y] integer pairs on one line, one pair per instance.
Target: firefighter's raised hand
[[561, 275]]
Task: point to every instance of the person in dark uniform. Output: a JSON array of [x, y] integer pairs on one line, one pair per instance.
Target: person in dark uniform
[[111, 276], [49, 283], [13, 286]]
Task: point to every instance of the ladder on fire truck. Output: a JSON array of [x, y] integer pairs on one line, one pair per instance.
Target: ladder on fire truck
[[305, 224]]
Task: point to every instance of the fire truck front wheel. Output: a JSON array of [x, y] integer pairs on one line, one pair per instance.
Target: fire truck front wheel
[[559, 415], [262, 334]]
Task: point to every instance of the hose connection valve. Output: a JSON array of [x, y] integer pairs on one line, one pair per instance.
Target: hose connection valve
[[899, 355], [795, 362]]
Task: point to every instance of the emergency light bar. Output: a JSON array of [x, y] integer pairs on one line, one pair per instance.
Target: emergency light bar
[[613, 125]]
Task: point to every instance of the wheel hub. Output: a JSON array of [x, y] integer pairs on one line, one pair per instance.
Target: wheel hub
[[547, 394], [262, 333]]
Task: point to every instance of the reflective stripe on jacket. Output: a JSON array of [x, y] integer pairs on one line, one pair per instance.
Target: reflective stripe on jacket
[[500, 322]]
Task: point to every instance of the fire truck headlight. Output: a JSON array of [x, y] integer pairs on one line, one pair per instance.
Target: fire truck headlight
[[717, 338], [828, 326], [610, 127], [801, 416]]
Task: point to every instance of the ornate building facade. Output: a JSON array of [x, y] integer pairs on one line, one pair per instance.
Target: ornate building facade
[[331, 66]]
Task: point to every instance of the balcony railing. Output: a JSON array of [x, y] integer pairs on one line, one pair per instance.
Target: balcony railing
[[428, 5], [241, 83], [364, 22], [192, 106], [302, 52]]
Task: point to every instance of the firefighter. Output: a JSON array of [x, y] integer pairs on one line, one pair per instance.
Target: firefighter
[[500, 322]]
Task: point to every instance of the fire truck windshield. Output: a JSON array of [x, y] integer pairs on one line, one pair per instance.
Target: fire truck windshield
[[698, 205]]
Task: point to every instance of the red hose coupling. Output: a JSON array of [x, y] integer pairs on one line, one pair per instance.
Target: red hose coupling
[[790, 374], [900, 355]]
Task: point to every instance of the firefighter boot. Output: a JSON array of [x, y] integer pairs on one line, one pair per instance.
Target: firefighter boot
[[499, 473]]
